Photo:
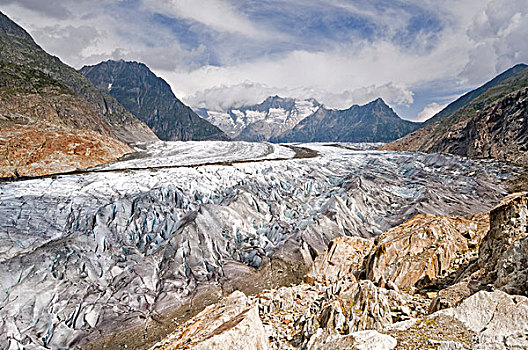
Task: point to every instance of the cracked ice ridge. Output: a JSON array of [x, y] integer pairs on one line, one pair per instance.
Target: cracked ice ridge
[[81, 252]]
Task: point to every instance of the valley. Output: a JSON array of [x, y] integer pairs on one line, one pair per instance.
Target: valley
[[124, 247]]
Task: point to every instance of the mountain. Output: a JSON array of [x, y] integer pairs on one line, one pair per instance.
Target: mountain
[[373, 122], [52, 119], [492, 125], [264, 121], [19, 49], [151, 100], [467, 98]]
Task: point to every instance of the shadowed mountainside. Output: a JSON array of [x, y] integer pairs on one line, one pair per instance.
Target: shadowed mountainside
[[151, 100]]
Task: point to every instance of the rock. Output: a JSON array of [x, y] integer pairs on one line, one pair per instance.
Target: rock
[[450, 297], [230, 324], [348, 306], [344, 257], [362, 340], [30, 151], [422, 247], [503, 254], [402, 325], [498, 319]]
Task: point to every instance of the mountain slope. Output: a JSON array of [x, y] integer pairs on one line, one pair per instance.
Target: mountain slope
[[373, 122], [151, 100], [18, 48], [467, 98], [493, 125], [264, 121], [45, 126]]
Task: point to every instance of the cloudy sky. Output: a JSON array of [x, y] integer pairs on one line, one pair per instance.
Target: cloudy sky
[[416, 54]]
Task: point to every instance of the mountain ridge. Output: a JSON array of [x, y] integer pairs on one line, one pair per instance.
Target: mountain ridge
[[372, 122], [263, 121], [151, 100], [291, 118], [492, 125], [466, 99]]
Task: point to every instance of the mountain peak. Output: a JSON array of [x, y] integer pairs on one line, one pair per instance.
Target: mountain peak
[[379, 101], [150, 98]]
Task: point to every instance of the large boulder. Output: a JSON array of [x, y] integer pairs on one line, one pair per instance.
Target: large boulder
[[344, 257], [362, 340], [230, 324], [499, 320], [422, 247]]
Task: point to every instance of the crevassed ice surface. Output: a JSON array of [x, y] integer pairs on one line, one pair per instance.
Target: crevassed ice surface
[[84, 252]]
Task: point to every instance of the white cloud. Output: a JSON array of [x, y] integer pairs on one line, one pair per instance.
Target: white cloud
[[216, 14], [254, 56], [498, 39], [429, 110], [223, 97], [351, 74]]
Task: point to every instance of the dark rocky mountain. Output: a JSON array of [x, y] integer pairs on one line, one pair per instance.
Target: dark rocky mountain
[[492, 125], [373, 122], [467, 98], [23, 54], [151, 100], [264, 121]]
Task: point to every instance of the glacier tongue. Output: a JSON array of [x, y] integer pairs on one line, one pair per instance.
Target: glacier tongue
[[82, 253]]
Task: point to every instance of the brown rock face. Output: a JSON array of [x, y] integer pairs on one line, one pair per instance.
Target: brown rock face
[[344, 257], [422, 247], [30, 151]]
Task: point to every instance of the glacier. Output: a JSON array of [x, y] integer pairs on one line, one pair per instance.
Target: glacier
[[87, 253]]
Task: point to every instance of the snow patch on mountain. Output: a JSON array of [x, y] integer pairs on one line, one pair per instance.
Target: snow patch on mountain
[[264, 121]]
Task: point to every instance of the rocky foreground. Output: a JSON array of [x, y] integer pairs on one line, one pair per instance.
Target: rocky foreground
[[430, 283]]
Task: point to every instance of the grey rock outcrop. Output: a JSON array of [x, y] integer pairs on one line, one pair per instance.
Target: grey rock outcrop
[[499, 320], [362, 340], [231, 324], [503, 254], [343, 258]]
